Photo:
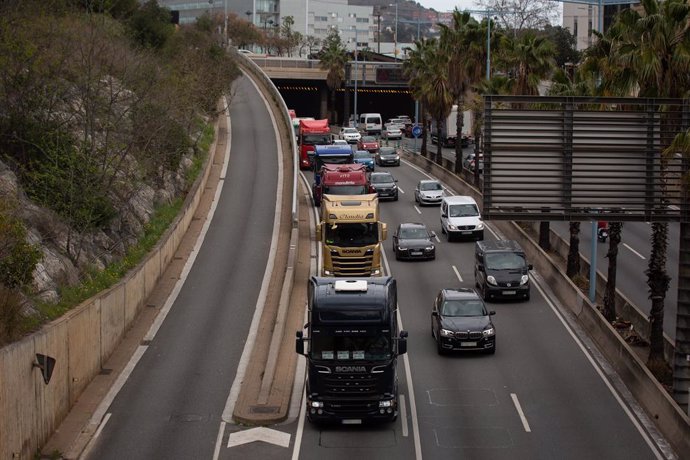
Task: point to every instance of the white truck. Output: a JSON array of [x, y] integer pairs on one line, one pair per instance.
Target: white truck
[[449, 129]]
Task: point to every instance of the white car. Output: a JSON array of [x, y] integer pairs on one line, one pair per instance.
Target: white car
[[395, 123], [460, 216], [391, 133], [340, 142], [350, 135]]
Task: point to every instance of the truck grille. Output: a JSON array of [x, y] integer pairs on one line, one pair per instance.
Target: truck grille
[[350, 385], [352, 266]]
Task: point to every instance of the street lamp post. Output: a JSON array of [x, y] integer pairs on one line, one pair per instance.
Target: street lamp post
[[225, 22], [395, 47], [356, 72]]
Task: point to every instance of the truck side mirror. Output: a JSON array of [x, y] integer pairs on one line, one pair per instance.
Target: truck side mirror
[[299, 343], [384, 231], [318, 231], [402, 343]]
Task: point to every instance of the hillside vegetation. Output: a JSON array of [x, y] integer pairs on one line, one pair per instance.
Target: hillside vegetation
[[105, 111]]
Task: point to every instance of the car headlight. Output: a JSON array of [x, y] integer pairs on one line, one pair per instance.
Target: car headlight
[[400, 248], [491, 280], [524, 279], [395, 187], [397, 157], [429, 248], [480, 226], [488, 332], [452, 227], [446, 333]]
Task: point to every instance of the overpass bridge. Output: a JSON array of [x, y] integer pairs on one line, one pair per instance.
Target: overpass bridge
[[381, 87]]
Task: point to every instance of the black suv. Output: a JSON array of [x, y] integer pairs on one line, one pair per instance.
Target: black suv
[[460, 321], [501, 270]]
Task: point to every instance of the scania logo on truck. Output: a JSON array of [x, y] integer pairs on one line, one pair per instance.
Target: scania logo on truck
[[350, 369], [350, 251]]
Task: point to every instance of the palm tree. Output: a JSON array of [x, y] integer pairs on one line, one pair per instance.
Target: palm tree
[[612, 254], [333, 57], [436, 91], [654, 44], [416, 70], [573, 263], [463, 70]]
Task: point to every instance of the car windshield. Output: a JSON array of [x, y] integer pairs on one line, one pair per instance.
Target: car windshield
[[505, 261], [387, 151], [381, 178], [368, 139], [463, 210], [345, 190], [361, 155], [430, 186], [352, 235], [463, 308], [349, 131], [414, 233]]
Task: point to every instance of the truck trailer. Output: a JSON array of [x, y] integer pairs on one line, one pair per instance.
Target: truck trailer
[[449, 129], [351, 235], [352, 345]]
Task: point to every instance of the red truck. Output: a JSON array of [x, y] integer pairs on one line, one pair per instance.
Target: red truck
[[341, 179], [311, 133]]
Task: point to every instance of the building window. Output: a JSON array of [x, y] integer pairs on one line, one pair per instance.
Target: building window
[[363, 20], [575, 27]]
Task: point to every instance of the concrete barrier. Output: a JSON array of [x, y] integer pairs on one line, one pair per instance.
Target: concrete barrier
[[652, 397], [80, 341]]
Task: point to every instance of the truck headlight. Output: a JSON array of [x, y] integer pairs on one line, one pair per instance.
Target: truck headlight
[[388, 403], [488, 332], [376, 272], [316, 404], [446, 333], [524, 279], [327, 273], [491, 280]]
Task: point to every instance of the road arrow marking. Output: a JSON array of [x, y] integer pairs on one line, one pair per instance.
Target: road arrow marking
[[259, 434]]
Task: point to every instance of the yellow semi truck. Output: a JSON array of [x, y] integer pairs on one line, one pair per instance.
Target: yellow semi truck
[[351, 235]]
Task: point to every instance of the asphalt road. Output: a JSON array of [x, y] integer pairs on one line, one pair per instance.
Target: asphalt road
[[171, 405], [539, 396]]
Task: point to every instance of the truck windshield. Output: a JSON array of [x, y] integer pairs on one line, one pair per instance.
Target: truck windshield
[[345, 189], [355, 234], [349, 348], [505, 261], [332, 160], [316, 139]]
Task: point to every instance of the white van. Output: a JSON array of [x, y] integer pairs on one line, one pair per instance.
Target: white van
[[370, 123], [460, 216]]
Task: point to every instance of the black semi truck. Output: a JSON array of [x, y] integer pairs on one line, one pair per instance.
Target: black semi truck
[[352, 346]]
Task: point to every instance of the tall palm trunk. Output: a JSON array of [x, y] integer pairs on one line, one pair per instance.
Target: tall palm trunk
[[459, 120], [615, 229], [333, 111], [439, 144], [573, 265], [425, 131], [477, 139], [658, 282], [544, 231]]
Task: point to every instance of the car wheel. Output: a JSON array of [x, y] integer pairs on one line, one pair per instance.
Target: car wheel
[[396, 197], [449, 238], [432, 330], [485, 293]]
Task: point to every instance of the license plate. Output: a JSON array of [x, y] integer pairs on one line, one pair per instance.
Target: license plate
[[352, 421], [468, 344], [416, 253], [466, 233], [508, 292]]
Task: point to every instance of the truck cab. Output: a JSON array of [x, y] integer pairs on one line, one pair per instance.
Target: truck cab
[[351, 235], [352, 344], [311, 134], [347, 179]]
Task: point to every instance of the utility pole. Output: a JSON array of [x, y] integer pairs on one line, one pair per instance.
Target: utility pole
[[378, 31]]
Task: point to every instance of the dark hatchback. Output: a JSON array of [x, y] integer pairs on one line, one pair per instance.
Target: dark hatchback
[[413, 241], [387, 156], [384, 184], [460, 321]]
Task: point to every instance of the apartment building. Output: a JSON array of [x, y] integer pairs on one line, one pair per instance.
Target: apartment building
[[581, 18]]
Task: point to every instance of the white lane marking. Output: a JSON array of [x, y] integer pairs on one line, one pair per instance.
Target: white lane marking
[[261, 300], [417, 209], [403, 416], [102, 425], [634, 252], [598, 370], [408, 378], [401, 190], [261, 433], [438, 240], [457, 273], [219, 440], [520, 412]]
